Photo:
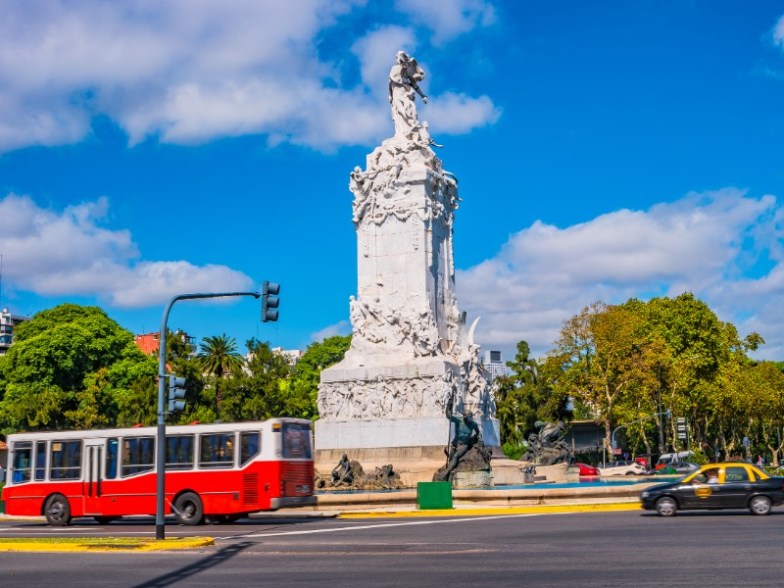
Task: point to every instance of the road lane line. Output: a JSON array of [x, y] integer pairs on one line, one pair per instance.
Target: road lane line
[[376, 526]]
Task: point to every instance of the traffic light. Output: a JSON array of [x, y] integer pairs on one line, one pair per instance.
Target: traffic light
[[176, 391], [269, 301]]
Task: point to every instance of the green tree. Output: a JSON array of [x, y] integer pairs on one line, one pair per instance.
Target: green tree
[[259, 392], [694, 369], [526, 396], [304, 381], [219, 358], [606, 358], [67, 367]]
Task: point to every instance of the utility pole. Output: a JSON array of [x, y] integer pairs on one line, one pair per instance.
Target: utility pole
[[160, 522]]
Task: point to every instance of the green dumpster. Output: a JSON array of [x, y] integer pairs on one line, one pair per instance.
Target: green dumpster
[[434, 495]]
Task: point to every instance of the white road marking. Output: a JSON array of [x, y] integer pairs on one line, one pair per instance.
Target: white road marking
[[376, 526]]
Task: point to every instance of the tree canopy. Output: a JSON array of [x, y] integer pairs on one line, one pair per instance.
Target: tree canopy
[[628, 363], [68, 367]]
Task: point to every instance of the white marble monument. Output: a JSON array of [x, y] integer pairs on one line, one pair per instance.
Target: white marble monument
[[411, 352]]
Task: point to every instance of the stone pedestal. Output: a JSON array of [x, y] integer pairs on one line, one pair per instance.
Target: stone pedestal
[[414, 434], [479, 479]]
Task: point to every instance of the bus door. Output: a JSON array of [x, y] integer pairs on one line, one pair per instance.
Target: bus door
[[93, 477]]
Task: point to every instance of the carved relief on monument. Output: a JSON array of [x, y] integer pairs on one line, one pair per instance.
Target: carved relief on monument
[[382, 191], [478, 394], [400, 328], [385, 398]]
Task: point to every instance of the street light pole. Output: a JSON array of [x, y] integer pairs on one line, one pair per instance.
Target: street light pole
[[160, 462]]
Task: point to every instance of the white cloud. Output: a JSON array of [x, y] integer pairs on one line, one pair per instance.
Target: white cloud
[[68, 253], [190, 71], [711, 244], [455, 114], [448, 19]]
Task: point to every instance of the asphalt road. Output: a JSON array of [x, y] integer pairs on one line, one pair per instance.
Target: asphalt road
[[602, 549]]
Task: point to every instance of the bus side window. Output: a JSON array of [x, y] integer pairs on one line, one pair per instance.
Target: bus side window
[[179, 452], [65, 461], [217, 450], [22, 452], [249, 446], [40, 460], [138, 455], [111, 458]]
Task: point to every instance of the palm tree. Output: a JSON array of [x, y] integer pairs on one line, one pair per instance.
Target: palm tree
[[218, 357]]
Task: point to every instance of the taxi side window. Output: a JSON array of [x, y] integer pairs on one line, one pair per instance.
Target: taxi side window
[[736, 474]]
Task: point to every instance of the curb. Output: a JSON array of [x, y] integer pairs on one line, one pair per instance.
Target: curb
[[113, 544], [490, 511]]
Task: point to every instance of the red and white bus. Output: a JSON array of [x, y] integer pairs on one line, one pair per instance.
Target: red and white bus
[[221, 471]]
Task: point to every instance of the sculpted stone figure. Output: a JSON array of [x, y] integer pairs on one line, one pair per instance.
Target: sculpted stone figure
[[547, 447], [404, 81], [350, 475], [467, 448], [343, 474]]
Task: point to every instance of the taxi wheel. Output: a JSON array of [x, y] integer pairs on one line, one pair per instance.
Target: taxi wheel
[[759, 505], [666, 506]]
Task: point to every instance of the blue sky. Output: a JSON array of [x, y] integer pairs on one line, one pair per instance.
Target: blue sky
[[604, 150]]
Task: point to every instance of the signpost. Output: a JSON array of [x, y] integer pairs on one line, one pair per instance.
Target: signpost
[[682, 428]]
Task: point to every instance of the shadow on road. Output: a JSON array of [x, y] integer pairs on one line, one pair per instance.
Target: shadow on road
[[185, 572]]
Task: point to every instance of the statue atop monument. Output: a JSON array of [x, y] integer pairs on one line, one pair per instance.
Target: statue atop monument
[[404, 81]]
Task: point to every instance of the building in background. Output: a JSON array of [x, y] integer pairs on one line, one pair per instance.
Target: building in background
[[7, 323], [292, 355], [150, 342], [493, 364]]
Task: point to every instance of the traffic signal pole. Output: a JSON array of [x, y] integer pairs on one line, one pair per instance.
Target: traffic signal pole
[[160, 510]]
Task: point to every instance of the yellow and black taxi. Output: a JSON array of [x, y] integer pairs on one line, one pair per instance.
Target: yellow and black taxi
[[717, 485]]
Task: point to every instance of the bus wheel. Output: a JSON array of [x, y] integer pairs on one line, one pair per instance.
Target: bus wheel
[[188, 509], [57, 511]]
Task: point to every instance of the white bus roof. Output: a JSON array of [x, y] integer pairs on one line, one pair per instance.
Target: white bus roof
[[152, 431]]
